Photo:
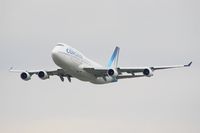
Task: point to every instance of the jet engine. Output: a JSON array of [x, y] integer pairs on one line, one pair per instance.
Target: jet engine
[[25, 76], [43, 75], [148, 72], [112, 73]]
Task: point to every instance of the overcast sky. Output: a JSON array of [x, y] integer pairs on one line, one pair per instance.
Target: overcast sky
[[149, 32]]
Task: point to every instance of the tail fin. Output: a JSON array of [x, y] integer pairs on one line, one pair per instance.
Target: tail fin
[[113, 62]]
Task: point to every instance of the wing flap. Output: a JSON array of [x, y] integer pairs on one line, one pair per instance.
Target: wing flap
[[129, 76], [130, 70], [98, 72]]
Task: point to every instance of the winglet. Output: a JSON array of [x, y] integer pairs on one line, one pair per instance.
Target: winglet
[[10, 69], [188, 65]]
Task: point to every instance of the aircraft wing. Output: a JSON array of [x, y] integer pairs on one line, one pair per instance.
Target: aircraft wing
[[169, 67], [59, 72], [137, 70], [131, 72]]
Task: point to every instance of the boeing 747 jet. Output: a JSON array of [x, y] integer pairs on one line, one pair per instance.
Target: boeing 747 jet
[[73, 64]]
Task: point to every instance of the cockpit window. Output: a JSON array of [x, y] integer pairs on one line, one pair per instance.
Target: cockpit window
[[60, 45]]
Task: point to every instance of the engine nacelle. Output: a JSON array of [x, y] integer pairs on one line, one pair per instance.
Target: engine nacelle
[[25, 76], [43, 75], [112, 73], [148, 72]]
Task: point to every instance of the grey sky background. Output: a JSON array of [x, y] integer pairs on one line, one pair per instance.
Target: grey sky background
[[148, 33]]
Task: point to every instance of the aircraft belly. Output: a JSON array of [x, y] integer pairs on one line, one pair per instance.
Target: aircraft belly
[[103, 80]]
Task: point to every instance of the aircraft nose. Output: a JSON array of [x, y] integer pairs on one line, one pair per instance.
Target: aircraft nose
[[54, 53]]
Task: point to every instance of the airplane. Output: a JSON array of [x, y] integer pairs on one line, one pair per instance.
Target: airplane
[[73, 64]]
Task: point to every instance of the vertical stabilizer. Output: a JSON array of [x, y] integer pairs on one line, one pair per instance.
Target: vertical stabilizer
[[113, 61]]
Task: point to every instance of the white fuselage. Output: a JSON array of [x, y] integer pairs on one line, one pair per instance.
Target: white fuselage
[[73, 62]]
